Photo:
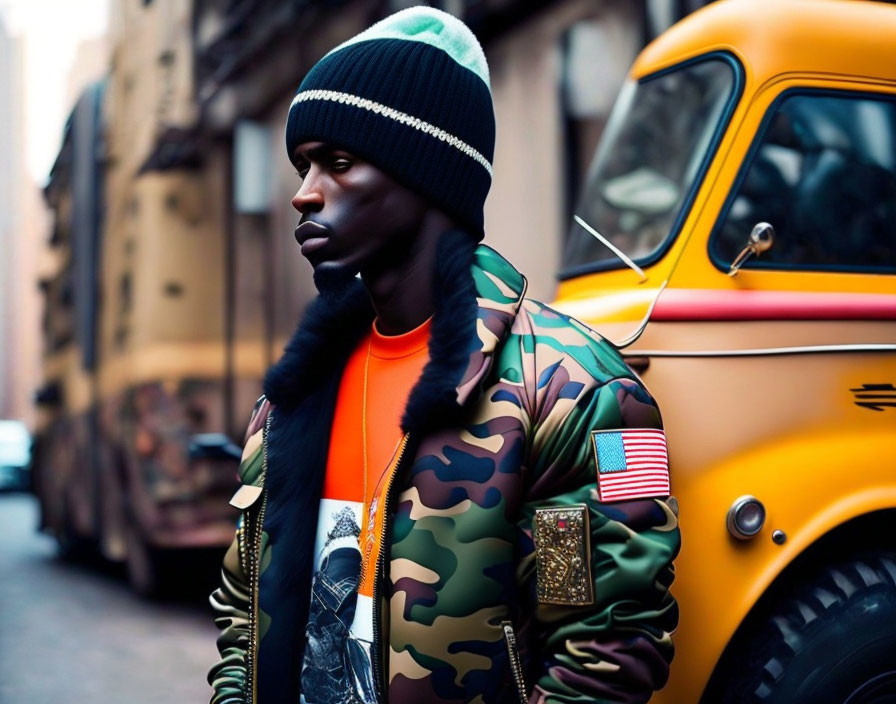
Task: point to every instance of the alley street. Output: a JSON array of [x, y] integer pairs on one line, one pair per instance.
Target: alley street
[[75, 634]]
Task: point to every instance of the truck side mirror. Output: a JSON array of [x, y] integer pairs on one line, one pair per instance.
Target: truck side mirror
[[761, 240]]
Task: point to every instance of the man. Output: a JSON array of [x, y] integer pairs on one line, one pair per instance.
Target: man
[[451, 493]]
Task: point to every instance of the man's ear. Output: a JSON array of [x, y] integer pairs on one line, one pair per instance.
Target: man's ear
[[437, 220]]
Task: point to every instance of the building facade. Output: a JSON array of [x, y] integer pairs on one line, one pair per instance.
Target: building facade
[[12, 188]]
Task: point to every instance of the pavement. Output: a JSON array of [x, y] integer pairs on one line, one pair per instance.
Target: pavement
[[74, 633]]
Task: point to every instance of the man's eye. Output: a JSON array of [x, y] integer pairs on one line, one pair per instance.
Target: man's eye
[[341, 164], [302, 172]]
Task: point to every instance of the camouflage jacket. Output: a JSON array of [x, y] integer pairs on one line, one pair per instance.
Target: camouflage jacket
[[498, 427]]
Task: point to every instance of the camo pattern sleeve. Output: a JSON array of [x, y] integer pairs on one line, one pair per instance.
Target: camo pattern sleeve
[[616, 646], [230, 602]]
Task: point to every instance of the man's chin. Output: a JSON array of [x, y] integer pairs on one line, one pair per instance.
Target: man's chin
[[331, 280]]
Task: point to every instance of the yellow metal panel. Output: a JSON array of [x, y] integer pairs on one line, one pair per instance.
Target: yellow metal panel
[[774, 37], [809, 484]]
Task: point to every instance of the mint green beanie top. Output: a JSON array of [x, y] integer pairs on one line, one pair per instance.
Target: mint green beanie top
[[411, 95]]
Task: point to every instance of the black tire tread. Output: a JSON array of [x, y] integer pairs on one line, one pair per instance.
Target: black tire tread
[[832, 592]]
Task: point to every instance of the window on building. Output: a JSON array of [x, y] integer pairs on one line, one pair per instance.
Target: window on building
[[125, 293], [823, 173]]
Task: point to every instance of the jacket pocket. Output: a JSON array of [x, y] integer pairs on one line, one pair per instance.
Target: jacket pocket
[[513, 655]]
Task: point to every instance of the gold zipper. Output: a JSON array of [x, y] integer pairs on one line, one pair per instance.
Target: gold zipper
[[241, 545], [254, 569], [516, 667], [379, 677]]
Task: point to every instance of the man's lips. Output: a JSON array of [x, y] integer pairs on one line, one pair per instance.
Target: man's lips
[[311, 236]]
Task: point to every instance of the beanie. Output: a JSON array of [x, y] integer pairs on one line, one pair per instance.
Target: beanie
[[410, 95]]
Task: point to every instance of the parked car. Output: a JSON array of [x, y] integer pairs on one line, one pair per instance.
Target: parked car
[[737, 239], [15, 455]]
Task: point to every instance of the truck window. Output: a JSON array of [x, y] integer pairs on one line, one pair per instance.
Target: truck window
[[660, 137], [823, 173]]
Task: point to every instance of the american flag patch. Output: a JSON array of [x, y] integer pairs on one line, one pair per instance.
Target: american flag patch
[[631, 463]]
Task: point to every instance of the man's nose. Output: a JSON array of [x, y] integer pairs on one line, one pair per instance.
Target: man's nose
[[309, 197]]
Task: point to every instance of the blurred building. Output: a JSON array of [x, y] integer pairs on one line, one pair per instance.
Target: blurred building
[[69, 254], [90, 64], [134, 373], [32, 237], [27, 257], [12, 171]]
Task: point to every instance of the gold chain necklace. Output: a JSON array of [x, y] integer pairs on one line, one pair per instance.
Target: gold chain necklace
[[364, 538], [369, 521], [364, 503], [364, 421]]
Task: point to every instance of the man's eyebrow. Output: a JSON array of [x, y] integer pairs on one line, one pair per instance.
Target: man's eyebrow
[[315, 153]]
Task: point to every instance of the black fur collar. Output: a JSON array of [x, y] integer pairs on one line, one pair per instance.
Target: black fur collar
[[331, 329]]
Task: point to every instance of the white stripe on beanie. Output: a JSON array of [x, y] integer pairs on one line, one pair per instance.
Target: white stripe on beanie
[[393, 114]]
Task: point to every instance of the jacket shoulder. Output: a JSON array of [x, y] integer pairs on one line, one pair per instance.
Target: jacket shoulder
[[557, 340]]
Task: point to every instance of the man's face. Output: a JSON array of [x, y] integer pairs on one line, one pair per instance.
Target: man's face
[[355, 217]]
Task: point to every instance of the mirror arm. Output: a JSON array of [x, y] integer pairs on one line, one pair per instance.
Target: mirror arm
[[762, 237]]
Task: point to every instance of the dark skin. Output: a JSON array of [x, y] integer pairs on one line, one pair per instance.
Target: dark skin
[[356, 218]]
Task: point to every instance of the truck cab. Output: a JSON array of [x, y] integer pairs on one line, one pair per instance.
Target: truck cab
[[736, 239]]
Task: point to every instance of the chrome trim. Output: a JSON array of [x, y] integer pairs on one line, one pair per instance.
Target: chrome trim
[[766, 352], [731, 518], [625, 342], [612, 247]]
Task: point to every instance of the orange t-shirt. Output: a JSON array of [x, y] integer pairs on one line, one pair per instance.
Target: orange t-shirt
[[396, 362], [394, 366], [349, 523]]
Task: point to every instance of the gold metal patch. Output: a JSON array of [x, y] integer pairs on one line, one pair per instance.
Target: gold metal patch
[[563, 555]]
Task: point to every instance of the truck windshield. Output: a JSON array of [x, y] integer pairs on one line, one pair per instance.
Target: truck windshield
[[656, 145]]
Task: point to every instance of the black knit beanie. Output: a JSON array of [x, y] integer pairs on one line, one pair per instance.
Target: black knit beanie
[[410, 95]]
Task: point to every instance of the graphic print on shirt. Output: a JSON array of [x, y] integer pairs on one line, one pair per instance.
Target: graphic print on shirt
[[336, 666]]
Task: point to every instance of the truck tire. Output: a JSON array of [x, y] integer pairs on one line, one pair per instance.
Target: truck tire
[[830, 640], [143, 563], [73, 547]]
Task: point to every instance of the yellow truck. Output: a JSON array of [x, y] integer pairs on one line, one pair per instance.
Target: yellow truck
[[736, 237]]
